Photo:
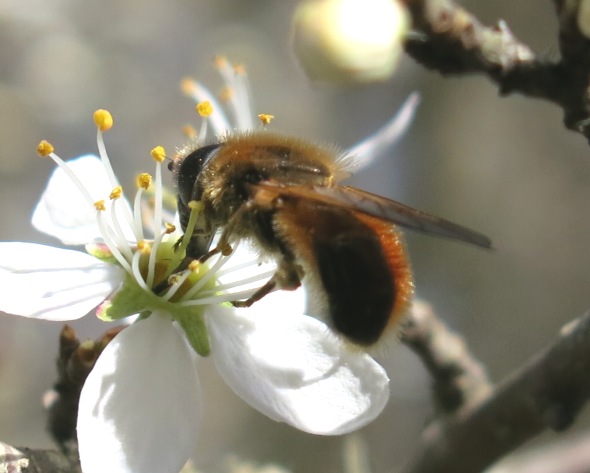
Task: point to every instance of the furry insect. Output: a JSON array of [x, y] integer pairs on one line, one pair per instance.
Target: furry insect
[[284, 195]]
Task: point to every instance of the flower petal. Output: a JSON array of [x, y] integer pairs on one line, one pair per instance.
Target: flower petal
[[140, 406], [51, 283], [367, 151], [64, 213], [293, 369]]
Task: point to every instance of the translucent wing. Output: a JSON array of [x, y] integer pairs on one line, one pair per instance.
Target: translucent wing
[[357, 200]]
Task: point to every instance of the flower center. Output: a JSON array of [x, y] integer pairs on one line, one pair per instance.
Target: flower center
[[159, 278]]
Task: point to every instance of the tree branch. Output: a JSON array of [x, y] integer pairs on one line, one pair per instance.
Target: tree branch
[[459, 380], [546, 393], [451, 40]]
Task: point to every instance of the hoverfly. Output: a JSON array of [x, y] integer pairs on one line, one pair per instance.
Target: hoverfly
[[284, 195]]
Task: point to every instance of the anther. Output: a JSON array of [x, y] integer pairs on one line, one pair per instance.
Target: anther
[[265, 118], [116, 193], [44, 148], [144, 180], [103, 119], [99, 205], [204, 109], [159, 154]]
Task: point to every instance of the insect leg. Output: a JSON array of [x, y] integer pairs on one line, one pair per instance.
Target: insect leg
[[287, 277]]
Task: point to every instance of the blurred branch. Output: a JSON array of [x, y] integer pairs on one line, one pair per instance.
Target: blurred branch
[[451, 40], [75, 361], [569, 455], [459, 380], [548, 392], [26, 460]]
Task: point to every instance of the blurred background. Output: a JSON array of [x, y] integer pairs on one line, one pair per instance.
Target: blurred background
[[504, 166]]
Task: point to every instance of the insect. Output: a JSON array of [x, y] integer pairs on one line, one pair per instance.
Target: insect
[[284, 195]]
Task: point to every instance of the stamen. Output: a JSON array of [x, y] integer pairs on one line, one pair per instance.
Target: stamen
[[212, 273], [109, 240], [204, 109], [243, 282], [143, 182], [220, 298], [118, 234], [157, 228], [265, 118], [116, 193], [176, 281], [103, 119], [44, 148], [236, 79], [196, 208], [159, 154], [247, 264], [200, 94], [189, 131], [136, 272]]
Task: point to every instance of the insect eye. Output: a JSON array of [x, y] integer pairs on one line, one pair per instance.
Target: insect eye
[[187, 172]]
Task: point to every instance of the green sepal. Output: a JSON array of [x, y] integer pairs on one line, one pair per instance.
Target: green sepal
[[132, 299], [195, 329]]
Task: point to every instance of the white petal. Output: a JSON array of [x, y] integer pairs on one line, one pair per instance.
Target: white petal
[[51, 283], [64, 213], [367, 151], [294, 370], [140, 406]]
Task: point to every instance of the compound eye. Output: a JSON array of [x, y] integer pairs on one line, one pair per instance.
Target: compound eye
[[187, 170]]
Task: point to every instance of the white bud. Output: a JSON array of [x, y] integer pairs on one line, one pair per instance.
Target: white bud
[[349, 40]]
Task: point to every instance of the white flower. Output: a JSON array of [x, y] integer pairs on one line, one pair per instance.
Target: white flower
[[140, 406]]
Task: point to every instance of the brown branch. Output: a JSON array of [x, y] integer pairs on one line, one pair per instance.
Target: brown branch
[[546, 393], [26, 460], [74, 363], [451, 40], [459, 380]]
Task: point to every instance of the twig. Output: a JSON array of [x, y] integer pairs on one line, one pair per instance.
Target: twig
[[74, 363], [459, 380], [546, 393], [451, 40]]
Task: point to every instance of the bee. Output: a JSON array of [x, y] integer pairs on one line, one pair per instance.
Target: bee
[[284, 195]]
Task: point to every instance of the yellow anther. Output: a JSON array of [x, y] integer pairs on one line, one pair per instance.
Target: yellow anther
[[103, 120], [170, 228], [189, 131], [144, 180], [44, 148], [265, 118], [204, 109], [99, 205], [187, 86], [116, 193], [194, 265], [240, 69], [144, 247], [159, 154], [174, 279], [226, 94], [220, 62], [195, 205]]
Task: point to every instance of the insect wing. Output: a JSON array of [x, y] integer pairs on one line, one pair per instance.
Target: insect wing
[[357, 200]]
